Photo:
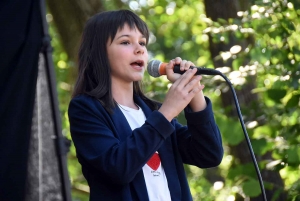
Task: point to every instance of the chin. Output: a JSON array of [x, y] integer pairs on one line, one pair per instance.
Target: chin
[[138, 77]]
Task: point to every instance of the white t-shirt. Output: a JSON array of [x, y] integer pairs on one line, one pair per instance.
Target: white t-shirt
[[156, 180]]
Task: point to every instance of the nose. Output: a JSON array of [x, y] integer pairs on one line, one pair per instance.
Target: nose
[[139, 49]]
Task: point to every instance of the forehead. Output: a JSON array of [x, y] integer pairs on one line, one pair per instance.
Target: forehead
[[127, 28], [127, 31]]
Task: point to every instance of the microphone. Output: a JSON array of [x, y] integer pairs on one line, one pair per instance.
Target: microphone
[[157, 68]]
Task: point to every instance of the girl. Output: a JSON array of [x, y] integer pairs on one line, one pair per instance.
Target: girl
[[131, 147]]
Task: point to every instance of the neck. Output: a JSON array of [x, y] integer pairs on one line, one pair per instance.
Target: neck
[[123, 94]]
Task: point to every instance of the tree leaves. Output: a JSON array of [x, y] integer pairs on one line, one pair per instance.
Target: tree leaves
[[276, 94], [231, 130], [293, 155], [251, 188]]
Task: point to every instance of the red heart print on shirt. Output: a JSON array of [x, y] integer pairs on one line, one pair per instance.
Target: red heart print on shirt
[[154, 161]]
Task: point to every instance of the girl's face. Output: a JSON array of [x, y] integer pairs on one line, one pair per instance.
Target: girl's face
[[127, 55]]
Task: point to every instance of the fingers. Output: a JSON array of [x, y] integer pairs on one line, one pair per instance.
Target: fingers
[[172, 77], [181, 93], [188, 79], [194, 90], [193, 87], [188, 85], [185, 88], [184, 64], [170, 65]]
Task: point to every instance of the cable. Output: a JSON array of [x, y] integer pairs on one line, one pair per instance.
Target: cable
[[245, 133]]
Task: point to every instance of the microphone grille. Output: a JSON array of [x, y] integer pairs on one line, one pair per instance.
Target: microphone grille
[[153, 68]]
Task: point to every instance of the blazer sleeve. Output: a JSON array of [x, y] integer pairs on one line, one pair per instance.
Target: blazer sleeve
[[200, 142], [100, 150]]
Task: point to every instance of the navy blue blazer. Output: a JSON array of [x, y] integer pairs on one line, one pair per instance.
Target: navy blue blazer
[[112, 155]]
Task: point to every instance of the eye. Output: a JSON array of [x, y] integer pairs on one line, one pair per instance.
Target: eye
[[142, 43], [125, 42]]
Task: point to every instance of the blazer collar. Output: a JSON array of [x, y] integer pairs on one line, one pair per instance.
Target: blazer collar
[[120, 122]]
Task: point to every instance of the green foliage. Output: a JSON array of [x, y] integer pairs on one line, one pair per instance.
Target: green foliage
[[251, 188], [274, 58], [232, 132]]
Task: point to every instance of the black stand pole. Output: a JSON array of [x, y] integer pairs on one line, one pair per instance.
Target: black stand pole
[[216, 72], [60, 141]]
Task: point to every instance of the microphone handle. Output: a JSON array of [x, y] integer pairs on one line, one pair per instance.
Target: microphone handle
[[200, 70]]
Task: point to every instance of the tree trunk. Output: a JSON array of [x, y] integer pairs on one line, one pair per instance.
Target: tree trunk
[[226, 9], [69, 18]]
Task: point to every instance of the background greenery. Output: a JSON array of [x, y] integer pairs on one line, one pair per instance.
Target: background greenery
[[254, 43]]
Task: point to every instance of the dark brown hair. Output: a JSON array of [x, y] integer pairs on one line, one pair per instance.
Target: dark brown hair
[[94, 70]]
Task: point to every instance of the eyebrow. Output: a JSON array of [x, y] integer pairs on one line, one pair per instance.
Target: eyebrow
[[127, 35]]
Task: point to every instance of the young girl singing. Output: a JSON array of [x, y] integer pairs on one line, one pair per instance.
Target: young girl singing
[[129, 146]]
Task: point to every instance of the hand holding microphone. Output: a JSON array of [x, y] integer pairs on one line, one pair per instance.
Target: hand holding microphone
[[181, 65], [185, 90], [157, 68]]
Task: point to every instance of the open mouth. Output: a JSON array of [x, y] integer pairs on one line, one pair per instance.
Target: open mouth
[[138, 63]]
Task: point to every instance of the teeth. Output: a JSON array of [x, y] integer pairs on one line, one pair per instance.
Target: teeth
[[138, 63]]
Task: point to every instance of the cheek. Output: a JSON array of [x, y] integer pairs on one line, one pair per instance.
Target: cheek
[[115, 64], [113, 70], [112, 59], [146, 53]]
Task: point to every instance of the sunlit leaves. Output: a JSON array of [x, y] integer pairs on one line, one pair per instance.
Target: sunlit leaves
[[276, 94], [293, 155], [252, 188], [275, 28], [293, 102], [241, 172], [260, 146], [231, 130]]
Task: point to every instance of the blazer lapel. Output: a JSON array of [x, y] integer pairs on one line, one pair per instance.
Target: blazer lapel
[[138, 186], [167, 158], [143, 105], [121, 125], [167, 161]]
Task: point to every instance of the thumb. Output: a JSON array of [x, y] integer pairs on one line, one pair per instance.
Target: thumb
[[170, 67]]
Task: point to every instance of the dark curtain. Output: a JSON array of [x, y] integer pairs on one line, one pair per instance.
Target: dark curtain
[[20, 43]]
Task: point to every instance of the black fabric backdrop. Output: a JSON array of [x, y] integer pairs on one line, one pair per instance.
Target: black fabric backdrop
[[20, 43]]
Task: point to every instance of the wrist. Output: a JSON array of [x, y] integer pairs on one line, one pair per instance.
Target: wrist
[[198, 103], [166, 114]]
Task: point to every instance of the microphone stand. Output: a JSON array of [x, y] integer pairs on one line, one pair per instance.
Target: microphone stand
[[216, 72], [60, 141]]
